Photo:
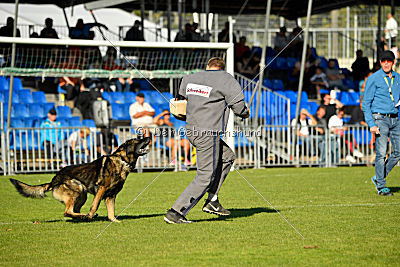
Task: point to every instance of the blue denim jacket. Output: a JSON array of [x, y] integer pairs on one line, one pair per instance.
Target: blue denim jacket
[[377, 98]]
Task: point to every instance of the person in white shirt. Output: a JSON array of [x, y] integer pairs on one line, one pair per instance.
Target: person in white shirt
[[76, 142], [391, 30], [141, 114], [336, 126], [305, 120]]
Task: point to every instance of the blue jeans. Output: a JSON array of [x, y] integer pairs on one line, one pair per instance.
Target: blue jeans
[[388, 127]]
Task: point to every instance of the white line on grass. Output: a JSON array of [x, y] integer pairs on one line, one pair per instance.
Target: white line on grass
[[255, 189]]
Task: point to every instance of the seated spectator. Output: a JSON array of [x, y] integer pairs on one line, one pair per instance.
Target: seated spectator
[[357, 115], [167, 134], [330, 106], [305, 120], [8, 30], [335, 78], [319, 81], [196, 36], [48, 31], [81, 30], [320, 130], [280, 40], [246, 66], [223, 36], [135, 33], [360, 66], [335, 125], [76, 142], [106, 142], [141, 114], [241, 48], [50, 137]]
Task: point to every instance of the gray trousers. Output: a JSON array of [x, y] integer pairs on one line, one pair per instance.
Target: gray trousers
[[214, 161]]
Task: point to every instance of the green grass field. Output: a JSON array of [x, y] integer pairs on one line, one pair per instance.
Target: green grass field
[[337, 210]]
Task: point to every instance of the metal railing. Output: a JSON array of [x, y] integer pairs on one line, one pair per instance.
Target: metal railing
[[284, 146], [262, 146]]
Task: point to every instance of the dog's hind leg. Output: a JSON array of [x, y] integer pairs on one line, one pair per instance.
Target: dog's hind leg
[[68, 197], [69, 210], [79, 202], [96, 202], [110, 203]]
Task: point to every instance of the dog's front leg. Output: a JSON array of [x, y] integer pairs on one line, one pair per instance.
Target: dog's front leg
[[110, 203], [96, 202]]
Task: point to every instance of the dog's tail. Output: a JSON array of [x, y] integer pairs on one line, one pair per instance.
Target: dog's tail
[[33, 191]]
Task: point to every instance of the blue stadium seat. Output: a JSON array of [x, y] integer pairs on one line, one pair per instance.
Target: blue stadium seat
[[270, 52], [281, 63], [1, 96], [291, 62], [129, 97], [345, 98], [256, 49], [6, 95], [314, 52], [39, 97], [312, 107], [355, 98], [349, 83], [271, 63], [106, 96], [25, 96], [75, 121], [117, 111], [29, 122], [64, 111], [117, 97], [17, 83], [268, 83], [36, 110], [21, 111], [46, 107], [277, 85], [324, 91], [144, 84], [323, 62], [168, 95], [3, 83], [5, 105], [89, 123], [17, 123], [125, 110], [64, 121]]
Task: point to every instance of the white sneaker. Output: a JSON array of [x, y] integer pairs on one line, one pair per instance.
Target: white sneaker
[[358, 154], [350, 159]]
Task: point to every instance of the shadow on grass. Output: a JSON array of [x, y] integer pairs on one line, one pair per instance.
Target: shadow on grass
[[238, 213], [105, 218], [394, 189]]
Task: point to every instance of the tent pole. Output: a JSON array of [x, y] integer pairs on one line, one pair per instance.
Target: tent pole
[[263, 55], [12, 65], [142, 15], [303, 60], [66, 18], [169, 19], [378, 37]]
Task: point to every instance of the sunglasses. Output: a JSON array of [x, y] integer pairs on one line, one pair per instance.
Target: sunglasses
[[387, 61]]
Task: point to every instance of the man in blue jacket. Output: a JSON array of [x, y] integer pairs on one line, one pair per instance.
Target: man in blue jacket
[[381, 111]]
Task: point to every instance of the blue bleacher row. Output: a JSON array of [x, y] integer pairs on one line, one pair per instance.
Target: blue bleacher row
[[277, 112], [288, 64]]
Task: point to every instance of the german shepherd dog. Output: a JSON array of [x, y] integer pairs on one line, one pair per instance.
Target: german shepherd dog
[[103, 177]]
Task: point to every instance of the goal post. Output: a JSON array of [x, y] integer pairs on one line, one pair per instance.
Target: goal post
[[41, 57]]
